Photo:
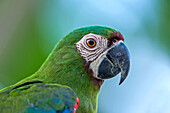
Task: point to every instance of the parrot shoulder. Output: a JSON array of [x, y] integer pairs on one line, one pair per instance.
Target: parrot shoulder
[[38, 97]]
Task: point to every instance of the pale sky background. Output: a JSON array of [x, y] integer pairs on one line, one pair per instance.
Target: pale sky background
[[147, 89]]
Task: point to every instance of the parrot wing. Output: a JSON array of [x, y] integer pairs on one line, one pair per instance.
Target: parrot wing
[[33, 97]]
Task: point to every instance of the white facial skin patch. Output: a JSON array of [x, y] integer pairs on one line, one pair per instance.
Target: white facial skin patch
[[94, 65]]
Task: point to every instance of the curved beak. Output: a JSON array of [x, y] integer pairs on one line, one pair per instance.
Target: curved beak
[[115, 61]]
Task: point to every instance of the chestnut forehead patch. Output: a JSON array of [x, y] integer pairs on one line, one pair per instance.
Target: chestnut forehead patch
[[115, 36]]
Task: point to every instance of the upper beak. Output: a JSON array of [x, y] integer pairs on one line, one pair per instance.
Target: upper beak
[[116, 60]]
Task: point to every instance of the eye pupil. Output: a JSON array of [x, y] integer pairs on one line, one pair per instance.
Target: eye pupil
[[91, 42]]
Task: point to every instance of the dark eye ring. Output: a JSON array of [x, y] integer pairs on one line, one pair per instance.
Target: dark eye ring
[[91, 42]]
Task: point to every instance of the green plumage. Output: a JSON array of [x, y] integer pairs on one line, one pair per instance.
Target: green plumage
[[64, 66], [45, 97]]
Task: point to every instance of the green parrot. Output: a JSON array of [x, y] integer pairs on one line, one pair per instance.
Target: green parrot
[[70, 78]]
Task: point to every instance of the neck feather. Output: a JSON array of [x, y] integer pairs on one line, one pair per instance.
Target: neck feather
[[65, 66]]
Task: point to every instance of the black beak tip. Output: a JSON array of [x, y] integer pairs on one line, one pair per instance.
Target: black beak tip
[[121, 80], [124, 73]]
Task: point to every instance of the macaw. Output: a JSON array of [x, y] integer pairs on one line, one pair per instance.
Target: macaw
[[70, 78]]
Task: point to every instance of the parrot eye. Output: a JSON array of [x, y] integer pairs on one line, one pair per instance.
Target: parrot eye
[[91, 42]]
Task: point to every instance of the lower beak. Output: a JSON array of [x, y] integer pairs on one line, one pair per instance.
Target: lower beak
[[116, 60]]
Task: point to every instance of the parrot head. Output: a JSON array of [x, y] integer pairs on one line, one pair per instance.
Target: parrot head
[[103, 51]]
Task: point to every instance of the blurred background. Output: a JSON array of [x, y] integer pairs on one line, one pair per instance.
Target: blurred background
[[30, 29]]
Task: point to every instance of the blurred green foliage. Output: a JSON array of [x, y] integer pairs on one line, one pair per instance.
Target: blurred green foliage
[[22, 51], [164, 24]]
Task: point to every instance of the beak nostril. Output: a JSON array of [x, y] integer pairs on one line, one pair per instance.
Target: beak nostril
[[114, 40]]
